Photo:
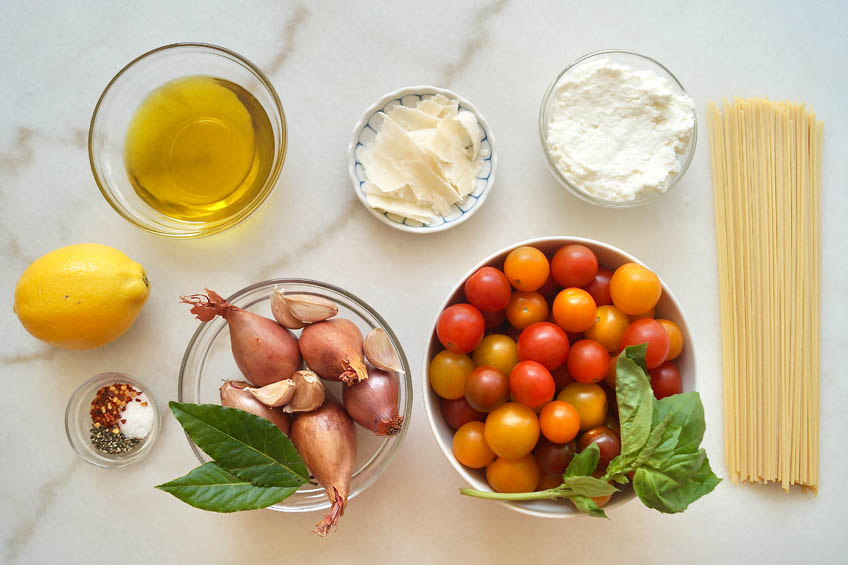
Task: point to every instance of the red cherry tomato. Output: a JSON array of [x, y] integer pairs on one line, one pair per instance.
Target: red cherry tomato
[[599, 288], [588, 361], [460, 328], [574, 266], [665, 380], [488, 289], [494, 320], [458, 412], [550, 288], [561, 378], [650, 331], [545, 343], [531, 384]]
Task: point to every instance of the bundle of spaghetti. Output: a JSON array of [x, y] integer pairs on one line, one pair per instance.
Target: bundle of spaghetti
[[766, 162]]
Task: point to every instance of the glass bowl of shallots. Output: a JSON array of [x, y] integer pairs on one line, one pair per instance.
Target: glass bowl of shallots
[[321, 329]]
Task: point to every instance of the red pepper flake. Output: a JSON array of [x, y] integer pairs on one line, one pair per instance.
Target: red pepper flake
[[108, 404]]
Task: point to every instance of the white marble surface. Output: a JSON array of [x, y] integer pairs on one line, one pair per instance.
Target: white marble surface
[[329, 61]]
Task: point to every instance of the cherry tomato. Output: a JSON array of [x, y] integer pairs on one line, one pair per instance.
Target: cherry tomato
[[498, 351], [470, 447], [588, 361], [494, 320], [608, 442], [665, 380], [609, 326], [610, 378], [488, 289], [531, 384], [513, 475], [574, 310], [486, 388], [634, 289], [675, 338], [550, 288], [526, 308], [448, 371], [649, 314], [512, 430], [527, 268], [548, 481], [561, 378], [457, 412], [574, 265], [599, 500], [599, 288], [460, 328], [590, 401], [553, 458], [559, 421], [652, 332], [545, 343]]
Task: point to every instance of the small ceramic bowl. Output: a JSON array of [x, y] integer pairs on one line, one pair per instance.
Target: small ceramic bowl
[[640, 63], [365, 132], [78, 423], [608, 256]]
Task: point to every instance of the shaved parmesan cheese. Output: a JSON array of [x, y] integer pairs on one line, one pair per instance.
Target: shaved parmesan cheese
[[423, 160]]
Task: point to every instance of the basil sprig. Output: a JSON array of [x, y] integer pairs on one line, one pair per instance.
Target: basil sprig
[[255, 465], [660, 445]]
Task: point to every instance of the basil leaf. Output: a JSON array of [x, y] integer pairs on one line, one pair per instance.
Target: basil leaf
[[210, 487], [248, 446], [588, 486], [635, 400], [584, 463], [588, 506], [686, 413], [685, 478], [660, 445]]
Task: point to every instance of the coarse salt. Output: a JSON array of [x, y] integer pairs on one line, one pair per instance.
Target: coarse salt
[[137, 418]]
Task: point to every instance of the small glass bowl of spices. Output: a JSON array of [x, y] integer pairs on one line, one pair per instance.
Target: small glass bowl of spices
[[111, 421]]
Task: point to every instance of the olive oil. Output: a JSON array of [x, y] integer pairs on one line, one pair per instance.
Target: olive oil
[[199, 149]]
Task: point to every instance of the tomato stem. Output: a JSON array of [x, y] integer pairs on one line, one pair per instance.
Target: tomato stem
[[550, 494]]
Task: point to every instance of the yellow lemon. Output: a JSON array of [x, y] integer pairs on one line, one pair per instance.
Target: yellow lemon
[[81, 296]]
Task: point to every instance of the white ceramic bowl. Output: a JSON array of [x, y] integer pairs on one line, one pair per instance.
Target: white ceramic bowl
[[365, 131], [608, 256]]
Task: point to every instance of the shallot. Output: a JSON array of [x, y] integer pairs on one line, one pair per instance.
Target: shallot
[[373, 403], [333, 349], [326, 440], [234, 395], [264, 351]]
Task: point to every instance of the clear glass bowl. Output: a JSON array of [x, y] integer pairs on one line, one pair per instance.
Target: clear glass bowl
[[78, 423], [123, 95], [208, 361], [638, 62]]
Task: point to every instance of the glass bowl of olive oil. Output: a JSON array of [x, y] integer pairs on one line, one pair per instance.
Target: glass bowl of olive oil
[[187, 140]]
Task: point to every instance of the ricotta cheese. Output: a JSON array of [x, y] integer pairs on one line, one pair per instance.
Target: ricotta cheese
[[423, 159], [616, 132]]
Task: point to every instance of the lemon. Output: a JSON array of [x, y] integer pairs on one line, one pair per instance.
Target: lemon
[[81, 296]]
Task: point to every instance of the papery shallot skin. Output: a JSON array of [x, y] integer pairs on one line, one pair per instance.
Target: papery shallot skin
[[264, 351], [333, 349], [326, 439]]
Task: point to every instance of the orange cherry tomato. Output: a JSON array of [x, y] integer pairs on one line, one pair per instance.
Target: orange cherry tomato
[[527, 268], [559, 421], [526, 308], [609, 326], [675, 338], [512, 430], [574, 310], [589, 400], [469, 446], [513, 475], [649, 314], [634, 289]]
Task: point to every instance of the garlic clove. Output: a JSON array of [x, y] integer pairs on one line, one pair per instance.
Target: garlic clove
[[275, 394], [234, 395], [379, 351], [308, 392], [282, 313], [310, 309]]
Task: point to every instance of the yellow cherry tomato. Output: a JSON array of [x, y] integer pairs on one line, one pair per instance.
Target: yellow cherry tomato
[[634, 289], [447, 374], [470, 447], [512, 430], [610, 323], [675, 338], [498, 351], [589, 400], [513, 475]]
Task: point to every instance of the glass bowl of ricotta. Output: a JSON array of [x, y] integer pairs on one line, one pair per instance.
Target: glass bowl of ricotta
[[617, 128]]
